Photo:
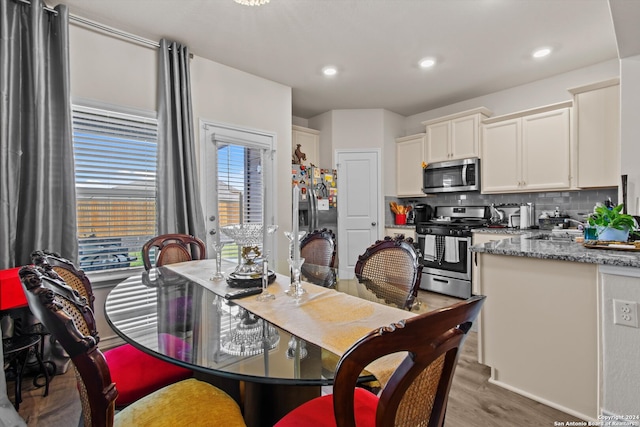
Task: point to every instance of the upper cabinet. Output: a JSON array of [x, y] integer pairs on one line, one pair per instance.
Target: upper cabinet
[[309, 141], [454, 137], [410, 152], [527, 151], [597, 129]]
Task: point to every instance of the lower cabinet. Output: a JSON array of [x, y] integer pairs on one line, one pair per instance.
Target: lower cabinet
[[539, 330], [407, 232]]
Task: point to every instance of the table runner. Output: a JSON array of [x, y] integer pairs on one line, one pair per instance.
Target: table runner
[[325, 317]]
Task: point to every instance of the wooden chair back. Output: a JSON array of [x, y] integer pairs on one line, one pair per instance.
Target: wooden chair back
[[391, 269], [67, 271], [418, 390], [59, 308], [319, 248], [171, 249]]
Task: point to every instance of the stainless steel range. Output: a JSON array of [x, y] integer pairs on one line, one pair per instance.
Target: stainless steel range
[[444, 243]]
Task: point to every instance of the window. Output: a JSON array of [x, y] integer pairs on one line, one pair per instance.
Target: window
[[115, 160]]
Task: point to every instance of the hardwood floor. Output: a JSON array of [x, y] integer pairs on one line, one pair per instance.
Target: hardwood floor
[[473, 401]]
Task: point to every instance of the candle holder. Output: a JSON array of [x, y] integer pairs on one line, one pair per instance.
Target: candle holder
[[296, 290], [265, 295], [217, 249], [248, 236], [292, 248]]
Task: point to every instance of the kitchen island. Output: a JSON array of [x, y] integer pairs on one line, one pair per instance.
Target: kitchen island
[[547, 316]]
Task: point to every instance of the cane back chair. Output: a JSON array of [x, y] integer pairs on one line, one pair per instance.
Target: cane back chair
[[186, 403], [171, 249], [418, 390], [135, 372], [391, 269]]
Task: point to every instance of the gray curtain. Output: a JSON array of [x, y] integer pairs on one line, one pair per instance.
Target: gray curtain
[[179, 208], [37, 184]]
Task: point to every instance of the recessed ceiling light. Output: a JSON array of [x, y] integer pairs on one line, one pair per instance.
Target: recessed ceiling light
[[427, 63], [542, 52], [329, 70]]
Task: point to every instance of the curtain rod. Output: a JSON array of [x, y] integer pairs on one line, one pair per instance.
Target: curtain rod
[[47, 8], [110, 30]]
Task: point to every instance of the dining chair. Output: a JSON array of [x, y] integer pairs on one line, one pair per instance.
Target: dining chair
[[417, 391], [319, 251], [319, 248], [172, 248], [136, 373], [391, 269], [186, 403]]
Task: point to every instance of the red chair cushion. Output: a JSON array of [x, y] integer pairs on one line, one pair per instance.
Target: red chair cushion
[[137, 374], [319, 411]]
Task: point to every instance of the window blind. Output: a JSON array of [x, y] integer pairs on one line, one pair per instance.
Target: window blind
[[115, 161]]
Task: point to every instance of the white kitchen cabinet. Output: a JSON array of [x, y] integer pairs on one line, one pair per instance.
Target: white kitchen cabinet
[[527, 151], [309, 140], [410, 152], [597, 129], [456, 136]]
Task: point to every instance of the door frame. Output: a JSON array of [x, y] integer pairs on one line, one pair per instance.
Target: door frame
[[211, 131], [343, 274]]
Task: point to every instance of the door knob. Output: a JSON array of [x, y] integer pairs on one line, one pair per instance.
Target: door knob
[[212, 218], [373, 224], [212, 231]]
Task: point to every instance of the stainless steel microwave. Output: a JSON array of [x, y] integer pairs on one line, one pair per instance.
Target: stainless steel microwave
[[452, 176]]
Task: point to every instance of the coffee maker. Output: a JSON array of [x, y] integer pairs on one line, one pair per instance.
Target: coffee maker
[[422, 213]]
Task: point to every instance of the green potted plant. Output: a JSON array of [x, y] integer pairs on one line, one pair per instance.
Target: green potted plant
[[612, 224]]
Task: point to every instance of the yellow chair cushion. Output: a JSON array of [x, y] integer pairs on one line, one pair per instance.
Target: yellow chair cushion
[[186, 403]]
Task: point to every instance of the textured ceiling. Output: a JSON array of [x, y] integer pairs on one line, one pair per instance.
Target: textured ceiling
[[482, 46]]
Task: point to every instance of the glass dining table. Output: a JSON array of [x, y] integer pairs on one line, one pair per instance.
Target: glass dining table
[[269, 367]]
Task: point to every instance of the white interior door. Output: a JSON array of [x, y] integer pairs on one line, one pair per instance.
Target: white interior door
[[359, 185]]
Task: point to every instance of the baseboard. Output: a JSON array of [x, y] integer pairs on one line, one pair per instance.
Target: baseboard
[[544, 401], [110, 342]]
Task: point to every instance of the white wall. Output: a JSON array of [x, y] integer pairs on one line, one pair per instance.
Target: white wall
[[524, 97], [630, 129]]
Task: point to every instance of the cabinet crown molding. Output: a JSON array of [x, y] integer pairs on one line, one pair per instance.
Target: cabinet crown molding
[[410, 137], [594, 86], [304, 129], [523, 113], [480, 110]]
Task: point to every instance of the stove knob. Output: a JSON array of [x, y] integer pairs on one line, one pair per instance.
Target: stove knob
[[459, 232], [452, 232]]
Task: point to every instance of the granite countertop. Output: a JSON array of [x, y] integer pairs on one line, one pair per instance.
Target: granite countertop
[[407, 226], [563, 251]]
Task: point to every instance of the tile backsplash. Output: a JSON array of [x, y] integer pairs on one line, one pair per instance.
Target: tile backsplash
[[576, 204]]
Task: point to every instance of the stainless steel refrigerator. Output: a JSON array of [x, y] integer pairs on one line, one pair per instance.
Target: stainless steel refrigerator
[[318, 198]]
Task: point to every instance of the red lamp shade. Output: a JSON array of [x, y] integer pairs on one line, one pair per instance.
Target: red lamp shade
[[11, 293]]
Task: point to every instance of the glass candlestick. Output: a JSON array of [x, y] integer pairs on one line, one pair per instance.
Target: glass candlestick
[[296, 290], [217, 248], [265, 295]]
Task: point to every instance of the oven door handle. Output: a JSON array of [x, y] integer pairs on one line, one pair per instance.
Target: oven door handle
[[440, 280]]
